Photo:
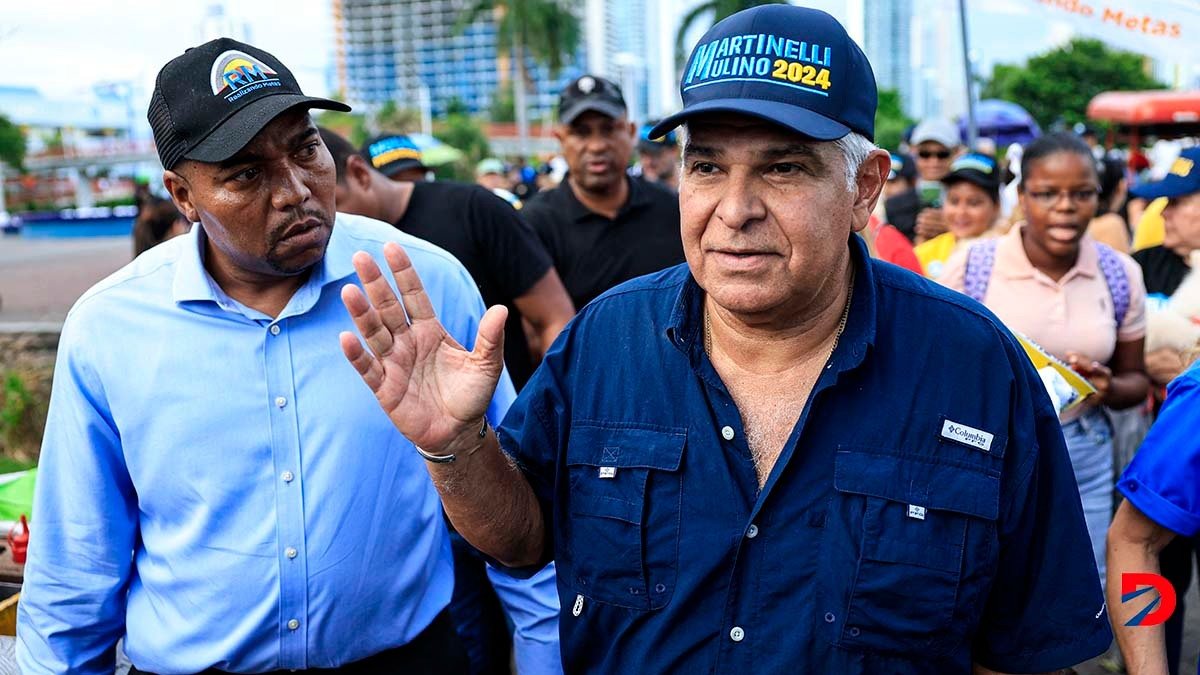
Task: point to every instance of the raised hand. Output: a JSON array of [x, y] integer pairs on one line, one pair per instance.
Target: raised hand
[[434, 391]]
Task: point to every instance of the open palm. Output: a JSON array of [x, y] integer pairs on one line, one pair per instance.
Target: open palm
[[434, 391]]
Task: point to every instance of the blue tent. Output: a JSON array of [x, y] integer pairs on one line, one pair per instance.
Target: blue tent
[[1004, 122]]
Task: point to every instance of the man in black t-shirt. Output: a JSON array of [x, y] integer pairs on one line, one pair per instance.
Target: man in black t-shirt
[[499, 250], [601, 226]]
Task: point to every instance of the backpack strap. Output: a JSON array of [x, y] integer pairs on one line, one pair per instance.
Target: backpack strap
[[981, 258], [1117, 280]]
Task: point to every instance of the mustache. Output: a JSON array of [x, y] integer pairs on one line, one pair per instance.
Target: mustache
[[299, 216]]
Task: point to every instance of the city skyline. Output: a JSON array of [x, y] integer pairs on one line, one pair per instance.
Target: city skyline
[[302, 34]]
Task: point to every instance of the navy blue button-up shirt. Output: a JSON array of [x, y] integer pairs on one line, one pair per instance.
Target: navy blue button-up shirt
[[923, 514]]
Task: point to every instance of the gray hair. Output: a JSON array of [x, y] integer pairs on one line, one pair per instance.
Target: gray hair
[[854, 148]]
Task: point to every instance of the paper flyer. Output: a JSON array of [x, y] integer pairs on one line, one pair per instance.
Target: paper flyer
[[1066, 387]]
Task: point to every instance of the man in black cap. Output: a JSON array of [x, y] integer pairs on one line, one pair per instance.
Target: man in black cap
[[215, 486], [783, 456], [658, 156], [600, 225]]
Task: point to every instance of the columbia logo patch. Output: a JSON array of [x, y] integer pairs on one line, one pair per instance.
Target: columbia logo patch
[[961, 433]]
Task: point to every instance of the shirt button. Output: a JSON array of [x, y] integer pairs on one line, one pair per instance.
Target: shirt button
[[293, 624], [290, 552], [737, 634], [287, 476], [829, 617], [280, 401], [274, 329], [727, 433], [855, 632], [752, 531]]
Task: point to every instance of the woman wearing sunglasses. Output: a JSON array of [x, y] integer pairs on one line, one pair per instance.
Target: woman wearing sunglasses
[[1080, 300], [971, 208]]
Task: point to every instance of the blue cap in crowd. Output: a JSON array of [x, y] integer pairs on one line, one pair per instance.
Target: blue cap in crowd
[[793, 66], [1183, 179], [648, 143]]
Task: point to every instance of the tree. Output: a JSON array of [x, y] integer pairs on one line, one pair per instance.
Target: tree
[[545, 30], [890, 120], [718, 9], [1058, 84], [12, 144], [392, 118]]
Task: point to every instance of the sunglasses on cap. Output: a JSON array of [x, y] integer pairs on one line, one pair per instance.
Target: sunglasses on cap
[[930, 154]]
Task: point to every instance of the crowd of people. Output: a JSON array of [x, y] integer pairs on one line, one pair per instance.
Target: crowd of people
[[658, 406]]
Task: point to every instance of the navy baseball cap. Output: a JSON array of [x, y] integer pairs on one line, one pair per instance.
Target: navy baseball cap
[[793, 66], [392, 153], [648, 143], [977, 169], [1183, 179]]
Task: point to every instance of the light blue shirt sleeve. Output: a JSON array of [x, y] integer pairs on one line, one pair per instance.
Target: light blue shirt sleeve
[[84, 526]]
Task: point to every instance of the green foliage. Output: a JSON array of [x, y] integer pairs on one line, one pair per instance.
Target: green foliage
[[12, 144], [890, 120], [1059, 83], [352, 126], [717, 9], [504, 108], [21, 414], [466, 134], [547, 30], [392, 118]]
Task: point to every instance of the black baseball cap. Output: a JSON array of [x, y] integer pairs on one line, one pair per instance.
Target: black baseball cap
[[793, 66], [212, 100], [392, 153], [977, 169], [590, 92]]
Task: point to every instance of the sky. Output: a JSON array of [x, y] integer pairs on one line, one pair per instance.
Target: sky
[[69, 45]]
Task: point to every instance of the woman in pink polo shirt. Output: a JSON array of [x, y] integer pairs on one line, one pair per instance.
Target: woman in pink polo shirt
[[1080, 300]]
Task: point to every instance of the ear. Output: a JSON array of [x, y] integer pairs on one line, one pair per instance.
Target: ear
[[181, 193], [633, 129], [358, 174], [872, 176], [560, 132]]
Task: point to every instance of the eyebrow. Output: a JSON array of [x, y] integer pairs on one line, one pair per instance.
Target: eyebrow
[[805, 150], [249, 157]]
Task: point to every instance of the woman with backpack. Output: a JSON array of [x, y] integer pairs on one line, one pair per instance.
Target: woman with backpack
[[1078, 299]]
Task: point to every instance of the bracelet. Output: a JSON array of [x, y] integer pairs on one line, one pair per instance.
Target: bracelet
[[446, 459]]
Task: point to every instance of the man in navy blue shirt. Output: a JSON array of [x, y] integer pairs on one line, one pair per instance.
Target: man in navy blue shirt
[[781, 456]]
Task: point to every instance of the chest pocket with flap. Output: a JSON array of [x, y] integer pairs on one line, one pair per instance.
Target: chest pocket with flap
[[623, 513]]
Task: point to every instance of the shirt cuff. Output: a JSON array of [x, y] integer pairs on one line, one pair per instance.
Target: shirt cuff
[[1158, 508]]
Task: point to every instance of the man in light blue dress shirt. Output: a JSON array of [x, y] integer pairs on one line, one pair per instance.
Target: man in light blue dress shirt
[[216, 485]]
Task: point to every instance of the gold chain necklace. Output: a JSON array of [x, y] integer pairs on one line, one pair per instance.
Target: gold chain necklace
[[836, 336]]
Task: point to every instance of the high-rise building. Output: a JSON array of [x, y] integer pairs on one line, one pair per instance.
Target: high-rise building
[[410, 52], [887, 41]]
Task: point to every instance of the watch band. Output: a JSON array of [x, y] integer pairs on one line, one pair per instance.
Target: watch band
[[446, 459]]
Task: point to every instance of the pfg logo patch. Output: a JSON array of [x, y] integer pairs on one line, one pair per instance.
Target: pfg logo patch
[[1137, 584], [235, 74]]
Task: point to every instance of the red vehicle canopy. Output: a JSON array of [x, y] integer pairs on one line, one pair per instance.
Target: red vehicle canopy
[[1165, 114]]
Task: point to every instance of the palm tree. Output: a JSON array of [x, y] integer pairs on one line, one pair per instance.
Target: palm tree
[[547, 30], [719, 9]]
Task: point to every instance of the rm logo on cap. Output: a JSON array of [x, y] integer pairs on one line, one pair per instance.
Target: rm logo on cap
[[236, 73]]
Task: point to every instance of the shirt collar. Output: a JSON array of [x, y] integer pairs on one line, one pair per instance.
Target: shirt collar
[[687, 316], [193, 282], [636, 199], [1013, 263]]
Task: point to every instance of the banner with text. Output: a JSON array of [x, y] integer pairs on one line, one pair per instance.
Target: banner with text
[[1164, 29]]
